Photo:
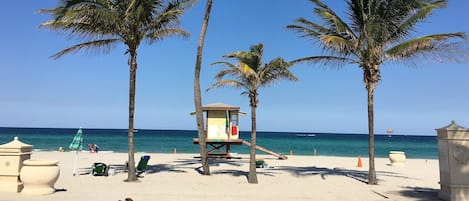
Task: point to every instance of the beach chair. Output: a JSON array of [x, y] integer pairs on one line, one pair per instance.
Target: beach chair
[[100, 169], [259, 163], [142, 165]]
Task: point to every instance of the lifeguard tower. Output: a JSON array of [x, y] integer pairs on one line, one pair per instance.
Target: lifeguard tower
[[222, 127]]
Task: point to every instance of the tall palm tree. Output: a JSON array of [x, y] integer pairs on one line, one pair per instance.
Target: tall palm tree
[[197, 96], [100, 24], [250, 74], [378, 31]]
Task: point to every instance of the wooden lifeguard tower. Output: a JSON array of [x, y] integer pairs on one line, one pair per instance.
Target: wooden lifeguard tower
[[222, 127]]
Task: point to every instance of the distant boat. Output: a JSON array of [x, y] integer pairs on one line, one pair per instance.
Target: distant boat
[[306, 135], [135, 130], [390, 131]]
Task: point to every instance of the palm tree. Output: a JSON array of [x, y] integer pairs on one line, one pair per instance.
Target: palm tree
[[103, 23], [197, 96], [250, 74], [378, 31]]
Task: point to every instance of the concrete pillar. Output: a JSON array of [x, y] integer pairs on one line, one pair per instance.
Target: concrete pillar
[[453, 154], [12, 155]]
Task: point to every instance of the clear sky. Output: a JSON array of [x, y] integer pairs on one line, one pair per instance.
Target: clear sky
[[91, 90]]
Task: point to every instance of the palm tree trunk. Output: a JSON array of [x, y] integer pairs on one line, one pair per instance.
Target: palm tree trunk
[[197, 95], [132, 176], [371, 141], [252, 178]]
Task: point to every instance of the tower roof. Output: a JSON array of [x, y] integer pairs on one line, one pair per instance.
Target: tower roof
[[220, 106]]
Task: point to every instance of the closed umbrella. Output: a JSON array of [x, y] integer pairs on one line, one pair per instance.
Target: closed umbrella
[[77, 144]]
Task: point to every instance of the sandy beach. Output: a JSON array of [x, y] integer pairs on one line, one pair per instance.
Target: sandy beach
[[175, 177]]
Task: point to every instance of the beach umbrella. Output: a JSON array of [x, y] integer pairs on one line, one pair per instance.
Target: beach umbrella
[[77, 144]]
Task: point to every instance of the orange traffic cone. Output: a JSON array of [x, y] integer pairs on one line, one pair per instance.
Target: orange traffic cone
[[359, 162], [174, 151]]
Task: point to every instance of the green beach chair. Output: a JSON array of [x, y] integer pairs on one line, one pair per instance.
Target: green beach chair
[[259, 163], [142, 164], [100, 169]]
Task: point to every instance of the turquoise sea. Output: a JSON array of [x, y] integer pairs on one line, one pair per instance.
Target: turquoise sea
[[165, 141]]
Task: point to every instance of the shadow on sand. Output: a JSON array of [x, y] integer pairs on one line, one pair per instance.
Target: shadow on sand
[[358, 175], [420, 194], [186, 165]]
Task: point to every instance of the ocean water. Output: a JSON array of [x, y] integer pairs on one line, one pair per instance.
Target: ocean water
[[165, 141]]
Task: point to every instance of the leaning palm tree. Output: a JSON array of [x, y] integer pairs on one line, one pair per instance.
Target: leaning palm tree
[[378, 31], [250, 74], [197, 96], [101, 24]]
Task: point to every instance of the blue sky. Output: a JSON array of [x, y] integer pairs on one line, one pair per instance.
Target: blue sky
[[91, 90]]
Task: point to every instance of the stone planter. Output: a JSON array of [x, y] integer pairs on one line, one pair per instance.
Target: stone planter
[[397, 158], [39, 176]]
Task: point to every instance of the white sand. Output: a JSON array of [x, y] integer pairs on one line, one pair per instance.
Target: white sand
[[174, 177]]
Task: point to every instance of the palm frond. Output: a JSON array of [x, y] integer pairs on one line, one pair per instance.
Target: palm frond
[[355, 13], [421, 12], [422, 44], [338, 44], [239, 55], [222, 73], [257, 49], [240, 71], [227, 64], [169, 14], [225, 83], [167, 18], [335, 61], [331, 19], [104, 45], [246, 69], [277, 69], [305, 32], [313, 26], [308, 29], [160, 34], [251, 59], [66, 5], [443, 53], [82, 18]]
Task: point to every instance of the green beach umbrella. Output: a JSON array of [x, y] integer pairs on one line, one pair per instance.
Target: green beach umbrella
[[77, 144]]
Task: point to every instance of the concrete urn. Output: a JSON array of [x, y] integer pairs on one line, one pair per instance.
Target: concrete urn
[[39, 176], [397, 158]]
